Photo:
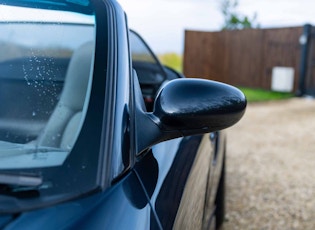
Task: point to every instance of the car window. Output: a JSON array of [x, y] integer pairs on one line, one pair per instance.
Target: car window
[[139, 50], [151, 74], [45, 66], [146, 64]]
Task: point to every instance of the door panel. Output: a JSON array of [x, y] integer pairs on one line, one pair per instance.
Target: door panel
[[217, 140], [180, 191], [191, 209]]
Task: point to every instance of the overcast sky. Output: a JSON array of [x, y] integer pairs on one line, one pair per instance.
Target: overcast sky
[[162, 22]]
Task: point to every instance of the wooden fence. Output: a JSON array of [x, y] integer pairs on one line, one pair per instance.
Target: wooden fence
[[242, 57]]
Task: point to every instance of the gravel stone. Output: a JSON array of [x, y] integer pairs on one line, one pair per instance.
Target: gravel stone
[[270, 181]]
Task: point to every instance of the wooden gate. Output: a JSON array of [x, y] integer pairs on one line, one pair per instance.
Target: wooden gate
[[243, 57]]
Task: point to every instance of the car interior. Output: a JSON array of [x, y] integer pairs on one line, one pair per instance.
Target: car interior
[[45, 111], [63, 125]]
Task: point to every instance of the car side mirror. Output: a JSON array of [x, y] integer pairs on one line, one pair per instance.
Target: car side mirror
[[185, 107], [194, 106]]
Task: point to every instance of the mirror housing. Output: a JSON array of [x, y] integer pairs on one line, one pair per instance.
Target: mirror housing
[[185, 107], [195, 106]]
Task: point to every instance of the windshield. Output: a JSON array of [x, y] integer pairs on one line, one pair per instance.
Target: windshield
[[53, 85], [45, 65]]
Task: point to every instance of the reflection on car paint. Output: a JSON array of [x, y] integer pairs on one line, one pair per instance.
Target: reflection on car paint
[[170, 193]]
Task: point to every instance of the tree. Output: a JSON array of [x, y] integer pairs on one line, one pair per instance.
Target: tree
[[232, 19]]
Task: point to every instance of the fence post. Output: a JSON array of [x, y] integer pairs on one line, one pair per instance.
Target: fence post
[[305, 40]]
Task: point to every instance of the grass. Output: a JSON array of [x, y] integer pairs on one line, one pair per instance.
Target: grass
[[255, 95], [172, 60]]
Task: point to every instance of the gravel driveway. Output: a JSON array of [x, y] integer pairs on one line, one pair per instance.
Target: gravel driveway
[[270, 180]]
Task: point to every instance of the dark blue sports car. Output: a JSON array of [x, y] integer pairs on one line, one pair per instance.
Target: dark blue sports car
[[95, 133]]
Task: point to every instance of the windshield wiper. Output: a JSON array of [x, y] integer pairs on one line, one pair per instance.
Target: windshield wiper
[[20, 186], [20, 180]]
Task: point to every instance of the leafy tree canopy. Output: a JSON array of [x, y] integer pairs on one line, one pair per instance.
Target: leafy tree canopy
[[233, 20]]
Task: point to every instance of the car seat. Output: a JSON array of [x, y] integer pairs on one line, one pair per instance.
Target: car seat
[[63, 125]]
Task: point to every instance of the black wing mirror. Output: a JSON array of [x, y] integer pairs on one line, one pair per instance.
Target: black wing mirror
[[198, 106], [190, 106]]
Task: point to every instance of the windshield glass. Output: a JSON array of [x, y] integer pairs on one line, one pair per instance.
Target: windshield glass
[[45, 77]]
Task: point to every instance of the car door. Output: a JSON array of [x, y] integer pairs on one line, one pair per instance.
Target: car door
[[175, 173]]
